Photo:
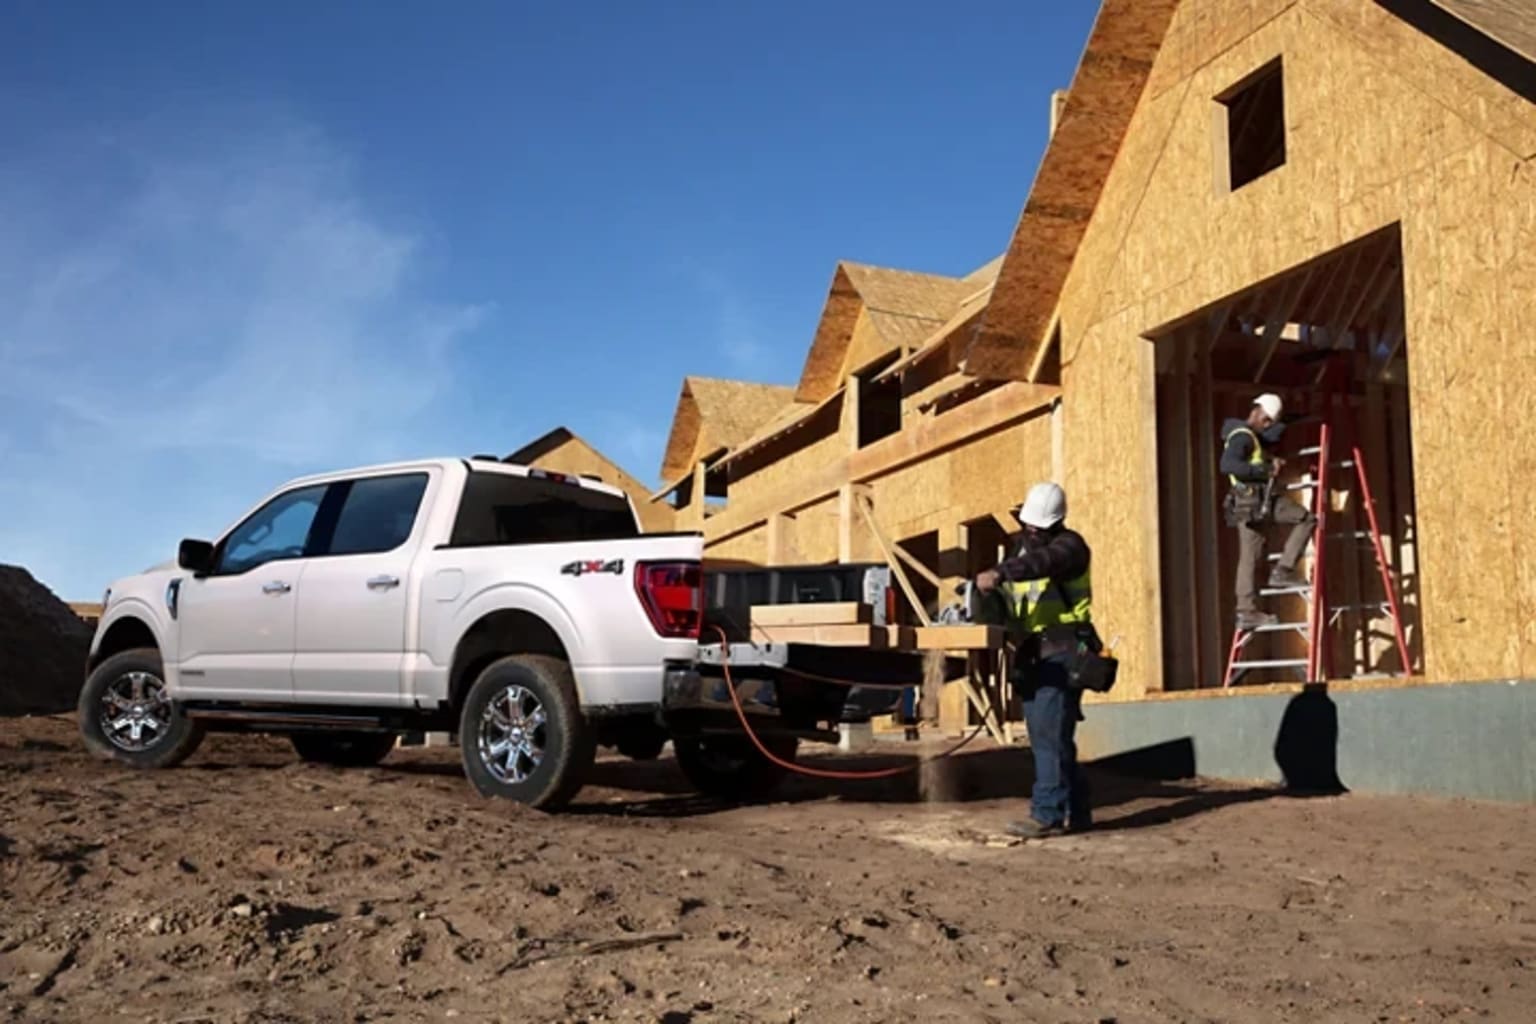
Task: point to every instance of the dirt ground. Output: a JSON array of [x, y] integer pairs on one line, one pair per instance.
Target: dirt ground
[[246, 886]]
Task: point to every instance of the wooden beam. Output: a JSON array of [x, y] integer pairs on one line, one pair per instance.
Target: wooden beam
[[1179, 520], [989, 412], [912, 563], [959, 638], [1208, 595], [995, 409], [894, 562], [1043, 352], [1279, 316], [829, 613]]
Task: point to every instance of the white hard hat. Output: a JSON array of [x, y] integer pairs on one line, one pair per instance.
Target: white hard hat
[[1045, 507], [1271, 405]]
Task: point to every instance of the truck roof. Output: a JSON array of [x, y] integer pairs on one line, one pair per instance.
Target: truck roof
[[475, 465]]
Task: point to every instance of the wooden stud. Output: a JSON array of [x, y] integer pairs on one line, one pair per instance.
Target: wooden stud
[[1208, 592], [894, 563]]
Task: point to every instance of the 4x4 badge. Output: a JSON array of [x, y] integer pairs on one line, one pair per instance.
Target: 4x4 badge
[[583, 568]]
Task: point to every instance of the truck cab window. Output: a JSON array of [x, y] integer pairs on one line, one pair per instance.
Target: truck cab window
[[500, 508], [377, 514], [279, 529]]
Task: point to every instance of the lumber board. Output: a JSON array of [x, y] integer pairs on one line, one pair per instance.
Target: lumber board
[[958, 638], [875, 637], [840, 613]]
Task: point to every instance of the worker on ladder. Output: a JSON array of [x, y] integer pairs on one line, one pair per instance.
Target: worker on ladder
[[1251, 468], [1049, 593]]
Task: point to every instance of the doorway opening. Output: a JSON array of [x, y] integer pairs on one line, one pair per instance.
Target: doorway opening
[[1328, 338]]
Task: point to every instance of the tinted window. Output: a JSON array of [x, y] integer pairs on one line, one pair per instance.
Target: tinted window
[[279, 529], [377, 514], [498, 508]]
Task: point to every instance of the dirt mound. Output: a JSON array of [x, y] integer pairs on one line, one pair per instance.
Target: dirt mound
[[43, 647]]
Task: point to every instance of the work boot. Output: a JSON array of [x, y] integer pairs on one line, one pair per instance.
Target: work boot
[[1253, 620], [1029, 828], [1280, 577]]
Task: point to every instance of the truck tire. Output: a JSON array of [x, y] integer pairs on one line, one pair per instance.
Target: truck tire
[[522, 734], [731, 768], [125, 715], [343, 749]]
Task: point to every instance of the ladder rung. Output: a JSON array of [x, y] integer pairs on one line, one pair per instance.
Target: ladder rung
[[1277, 627], [1364, 606], [1283, 591], [1351, 535], [1281, 663], [1315, 450]]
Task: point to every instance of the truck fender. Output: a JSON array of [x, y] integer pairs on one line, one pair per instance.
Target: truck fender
[[514, 597]]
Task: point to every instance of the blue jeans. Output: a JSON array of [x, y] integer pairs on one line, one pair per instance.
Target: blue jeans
[[1051, 712]]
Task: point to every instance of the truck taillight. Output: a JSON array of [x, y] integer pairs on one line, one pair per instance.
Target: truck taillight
[[673, 596]]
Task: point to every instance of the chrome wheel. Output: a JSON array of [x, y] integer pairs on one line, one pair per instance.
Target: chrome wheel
[[512, 735], [135, 714]]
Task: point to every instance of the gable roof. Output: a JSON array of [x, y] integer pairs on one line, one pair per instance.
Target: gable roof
[[1511, 23], [541, 446], [713, 415], [903, 306], [1094, 117]]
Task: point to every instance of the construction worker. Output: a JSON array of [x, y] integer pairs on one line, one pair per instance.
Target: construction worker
[[1247, 459], [1047, 588]]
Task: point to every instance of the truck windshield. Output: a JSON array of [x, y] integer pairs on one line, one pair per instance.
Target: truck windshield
[[499, 508]]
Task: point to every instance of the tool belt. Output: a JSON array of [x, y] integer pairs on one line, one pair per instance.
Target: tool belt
[[1245, 506], [1078, 647]]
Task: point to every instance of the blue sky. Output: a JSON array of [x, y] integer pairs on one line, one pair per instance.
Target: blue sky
[[243, 242]]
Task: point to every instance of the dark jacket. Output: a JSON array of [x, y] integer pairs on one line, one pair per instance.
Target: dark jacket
[[1062, 554], [1237, 447]]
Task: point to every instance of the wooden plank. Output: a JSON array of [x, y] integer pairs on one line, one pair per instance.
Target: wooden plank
[[954, 709], [875, 637], [892, 561], [1179, 521], [959, 638], [1404, 528], [1209, 596], [830, 613]]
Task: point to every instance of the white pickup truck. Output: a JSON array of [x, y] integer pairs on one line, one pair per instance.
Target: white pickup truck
[[521, 609]]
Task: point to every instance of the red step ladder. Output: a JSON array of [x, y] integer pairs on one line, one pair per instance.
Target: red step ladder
[[1320, 615]]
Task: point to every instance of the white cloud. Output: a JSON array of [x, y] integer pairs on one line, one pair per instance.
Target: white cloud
[[205, 294]]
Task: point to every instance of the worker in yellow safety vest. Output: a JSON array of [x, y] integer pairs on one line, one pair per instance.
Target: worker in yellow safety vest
[[1049, 592], [1250, 466]]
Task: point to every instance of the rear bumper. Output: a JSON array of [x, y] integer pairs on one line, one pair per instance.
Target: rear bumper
[[684, 688]]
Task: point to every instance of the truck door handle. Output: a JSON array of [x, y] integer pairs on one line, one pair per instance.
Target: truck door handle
[[383, 582], [276, 587]]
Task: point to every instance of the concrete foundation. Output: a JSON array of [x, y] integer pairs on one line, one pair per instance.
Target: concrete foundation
[[1460, 740]]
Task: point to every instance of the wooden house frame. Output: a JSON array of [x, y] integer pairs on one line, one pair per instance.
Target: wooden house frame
[[1235, 192]]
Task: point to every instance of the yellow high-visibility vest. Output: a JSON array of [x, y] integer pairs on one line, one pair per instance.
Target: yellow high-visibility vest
[[1255, 457], [1039, 604]]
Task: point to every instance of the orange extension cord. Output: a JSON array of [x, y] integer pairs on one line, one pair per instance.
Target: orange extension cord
[[819, 773]]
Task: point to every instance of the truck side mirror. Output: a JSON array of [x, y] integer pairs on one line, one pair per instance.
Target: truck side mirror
[[196, 556]]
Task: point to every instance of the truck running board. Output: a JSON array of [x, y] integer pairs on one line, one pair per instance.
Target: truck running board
[[291, 718]]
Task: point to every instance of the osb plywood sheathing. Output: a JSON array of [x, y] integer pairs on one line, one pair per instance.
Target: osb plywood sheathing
[[717, 414], [901, 306], [1104, 93]]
